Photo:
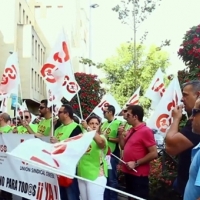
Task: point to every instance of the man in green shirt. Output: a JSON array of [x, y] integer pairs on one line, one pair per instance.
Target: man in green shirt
[[110, 129], [25, 119], [44, 126], [4, 126], [67, 129]]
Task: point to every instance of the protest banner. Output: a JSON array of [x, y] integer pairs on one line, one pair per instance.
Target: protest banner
[[21, 178]]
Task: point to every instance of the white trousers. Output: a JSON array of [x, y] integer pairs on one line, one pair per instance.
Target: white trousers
[[90, 191]]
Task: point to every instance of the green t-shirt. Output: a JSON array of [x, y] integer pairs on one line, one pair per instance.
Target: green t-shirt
[[111, 129], [64, 131], [90, 163], [6, 129], [23, 130], [44, 127]]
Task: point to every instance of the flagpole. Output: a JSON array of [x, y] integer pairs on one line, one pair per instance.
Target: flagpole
[[79, 103], [52, 123], [88, 116]]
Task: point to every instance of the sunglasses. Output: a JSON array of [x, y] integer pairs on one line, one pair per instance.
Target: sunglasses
[[41, 107], [195, 111], [22, 117], [125, 111]]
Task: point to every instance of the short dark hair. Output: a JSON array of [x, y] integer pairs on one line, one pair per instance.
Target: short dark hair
[[111, 108], [195, 85], [137, 110], [5, 117], [45, 102], [93, 117], [68, 109]]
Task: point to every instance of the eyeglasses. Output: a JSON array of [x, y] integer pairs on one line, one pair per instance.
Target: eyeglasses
[[22, 117], [41, 107], [195, 111]]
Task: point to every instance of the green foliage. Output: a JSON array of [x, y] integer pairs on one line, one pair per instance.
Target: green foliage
[[190, 54], [90, 94], [121, 74], [162, 175]]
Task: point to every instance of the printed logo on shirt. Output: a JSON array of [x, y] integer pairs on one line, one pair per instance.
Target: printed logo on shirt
[[59, 135], [41, 129], [107, 131]]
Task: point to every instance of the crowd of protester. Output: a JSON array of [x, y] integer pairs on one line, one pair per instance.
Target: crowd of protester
[[131, 140]]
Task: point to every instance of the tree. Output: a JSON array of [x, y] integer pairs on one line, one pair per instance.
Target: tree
[[120, 72], [133, 13], [90, 94], [190, 54]]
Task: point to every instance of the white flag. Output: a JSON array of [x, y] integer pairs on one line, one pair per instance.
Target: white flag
[[156, 89], [58, 72], [60, 158], [10, 79], [134, 99], [107, 99], [161, 118]]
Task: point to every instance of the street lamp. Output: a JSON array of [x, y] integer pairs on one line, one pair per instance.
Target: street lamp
[[90, 32]]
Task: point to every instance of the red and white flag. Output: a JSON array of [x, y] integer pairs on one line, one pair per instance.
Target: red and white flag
[[134, 100], [156, 89], [107, 99], [60, 158], [161, 118], [58, 73], [10, 79]]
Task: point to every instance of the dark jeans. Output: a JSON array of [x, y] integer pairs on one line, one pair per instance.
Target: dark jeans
[[177, 189], [112, 180], [71, 192], [137, 185]]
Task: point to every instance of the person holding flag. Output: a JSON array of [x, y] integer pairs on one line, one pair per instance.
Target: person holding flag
[[66, 130], [25, 119], [93, 165]]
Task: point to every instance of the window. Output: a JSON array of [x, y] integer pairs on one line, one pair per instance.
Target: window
[[36, 49], [32, 78], [20, 12], [44, 92], [26, 19], [38, 53], [32, 44], [41, 85], [43, 61], [23, 17], [38, 88], [41, 57], [35, 83]]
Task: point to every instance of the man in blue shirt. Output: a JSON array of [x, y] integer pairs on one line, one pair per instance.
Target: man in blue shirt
[[192, 190]]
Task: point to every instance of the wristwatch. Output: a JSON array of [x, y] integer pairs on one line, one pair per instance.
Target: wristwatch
[[136, 163]]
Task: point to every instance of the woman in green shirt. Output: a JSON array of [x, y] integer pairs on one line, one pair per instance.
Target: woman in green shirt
[[93, 165]]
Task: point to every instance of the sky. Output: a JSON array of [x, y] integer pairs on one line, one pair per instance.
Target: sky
[[170, 21]]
